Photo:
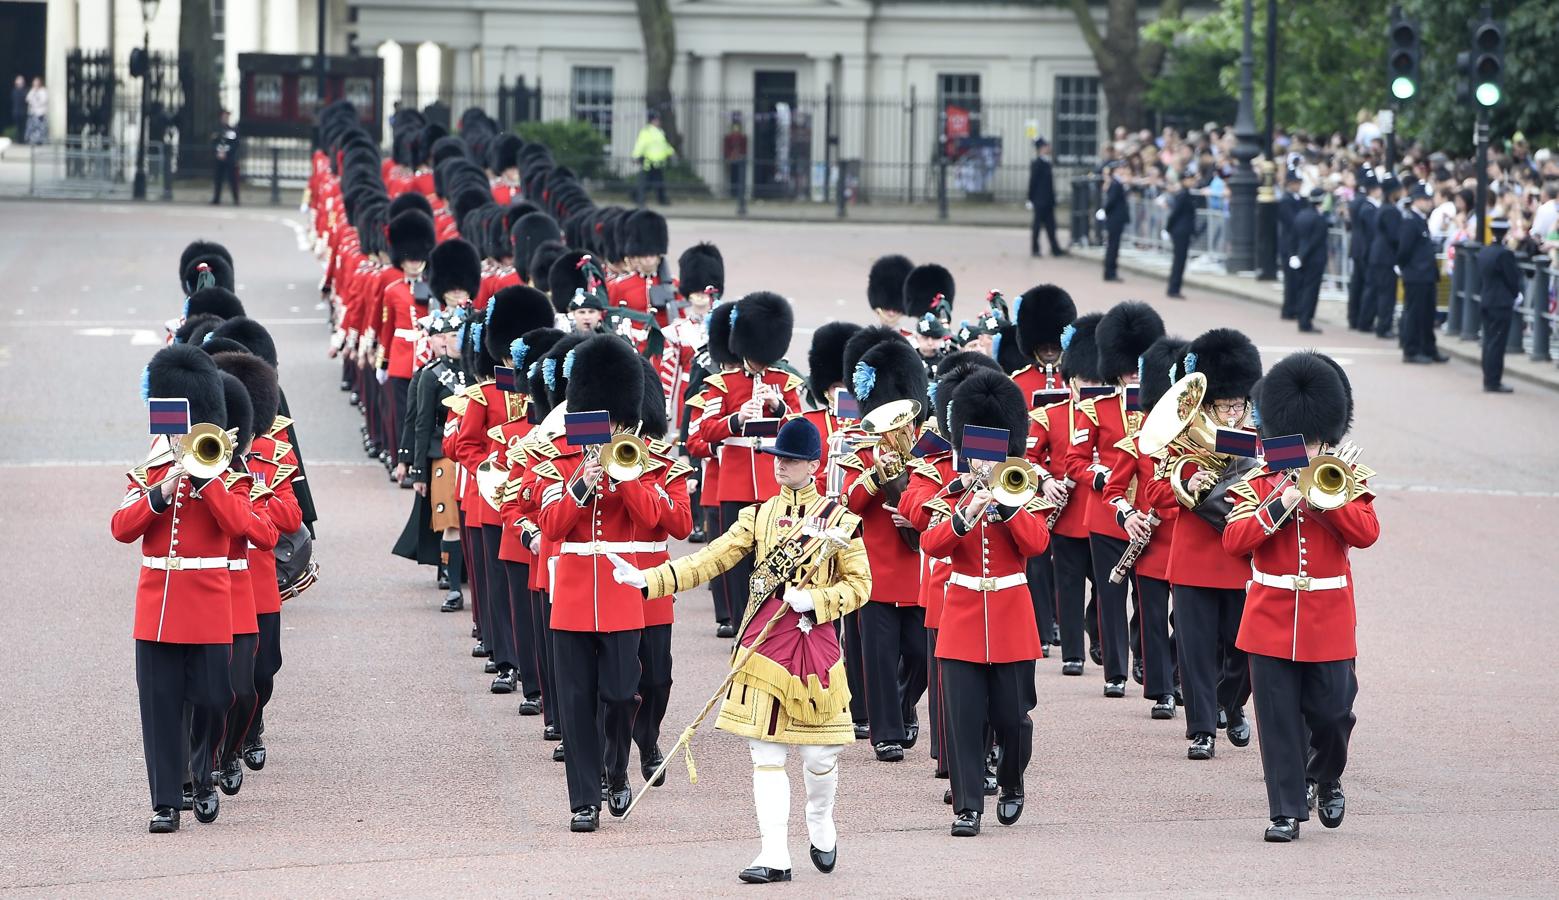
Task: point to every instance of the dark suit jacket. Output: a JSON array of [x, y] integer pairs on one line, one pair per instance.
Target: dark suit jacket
[[1309, 238], [1416, 250], [1383, 245], [1182, 215], [1363, 218], [1117, 215], [1042, 184], [1501, 278]]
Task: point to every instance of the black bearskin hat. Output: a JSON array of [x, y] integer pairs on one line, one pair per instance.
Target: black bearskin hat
[[510, 313], [468, 200], [180, 370], [701, 267], [196, 250], [412, 237], [653, 418], [761, 327], [565, 277], [529, 232], [220, 274], [643, 233], [1043, 312], [212, 345], [455, 265], [889, 372], [411, 201], [195, 328], [251, 334], [1305, 393], [537, 268], [1124, 334], [545, 374], [825, 358], [216, 301], [259, 379], [1079, 351], [856, 345], [989, 399], [719, 345], [531, 347], [1228, 359], [885, 282], [504, 152], [950, 373], [929, 288], [605, 373], [1160, 366], [240, 410]]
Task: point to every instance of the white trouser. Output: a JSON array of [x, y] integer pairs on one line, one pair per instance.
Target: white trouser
[[771, 797]]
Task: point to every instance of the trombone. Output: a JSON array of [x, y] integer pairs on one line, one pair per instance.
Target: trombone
[[1012, 482], [204, 452], [1327, 483]]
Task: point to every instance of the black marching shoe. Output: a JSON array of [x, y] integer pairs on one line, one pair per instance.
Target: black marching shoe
[[649, 762], [481, 651], [505, 682], [889, 751], [1330, 804], [530, 706], [1009, 806], [1310, 789], [551, 733], [697, 535], [443, 579], [587, 819], [454, 601], [1239, 730], [1136, 671], [966, 824], [763, 875], [1072, 667], [254, 756], [1095, 654], [725, 630], [489, 668], [911, 735], [1499, 389], [947, 796], [863, 732], [1116, 688], [187, 803], [476, 633], [1201, 747], [824, 862], [1165, 707], [165, 820], [557, 753], [232, 777], [1282, 830], [207, 804], [618, 799]]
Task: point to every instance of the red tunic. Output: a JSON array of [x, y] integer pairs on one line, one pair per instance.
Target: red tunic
[[1131, 480], [512, 546], [927, 477], [1038, 377], [987, 622], [1196, 554], [397, 332], [668, 480], [1309, 550], [475, 443], [1086, 459], [1069, 425], [743, 477], [895, 566], [261, 534], [273, 462], [699, 449]]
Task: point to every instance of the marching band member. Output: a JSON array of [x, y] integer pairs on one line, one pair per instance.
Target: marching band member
[[932, 340], [1299, 621], [1066, 425], [789, 689], [701, 272], [885, 292], [1042, 312], [411, 238], [717, 359], [638, 286]]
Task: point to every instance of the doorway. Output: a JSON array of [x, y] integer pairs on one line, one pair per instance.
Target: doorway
[[781, 137]]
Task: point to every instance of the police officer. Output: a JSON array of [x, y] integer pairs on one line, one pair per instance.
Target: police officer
[[1383, 257], [1499, 294], [1362, 215], [1289, 204], [1181, 227], [1042, 199], [1116, 216], [1307, 262], [1420, 271]]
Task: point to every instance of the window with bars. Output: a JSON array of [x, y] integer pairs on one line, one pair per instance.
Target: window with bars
[[592, 97], [219, 29], [1076, 130], [962, 91]]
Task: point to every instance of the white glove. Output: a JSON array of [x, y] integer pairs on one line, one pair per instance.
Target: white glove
[[535, 545], [624, 572], [1099, 214], [1397, 269], [1163, 235], [1028, 204], [382, 375], [798, 599], [1293, 262]]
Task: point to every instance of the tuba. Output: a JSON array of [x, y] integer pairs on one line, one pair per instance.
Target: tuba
[[490, 481], [1178, 432], [893, 426]]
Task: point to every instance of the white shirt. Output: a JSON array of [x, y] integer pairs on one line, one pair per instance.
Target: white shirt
[[1546, 219], [1441, 219]]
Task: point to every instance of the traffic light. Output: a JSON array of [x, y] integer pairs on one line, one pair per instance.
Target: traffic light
[[1402, 58], [1487, 70]]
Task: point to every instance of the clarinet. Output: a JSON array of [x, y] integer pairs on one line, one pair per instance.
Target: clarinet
[[1133, 550], [1050, 520]]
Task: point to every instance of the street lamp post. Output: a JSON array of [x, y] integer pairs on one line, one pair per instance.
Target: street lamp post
[[1243, 183], [148, 13]]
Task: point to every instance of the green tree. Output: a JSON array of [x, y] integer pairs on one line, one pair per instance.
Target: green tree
[[659, 31], [1126, 63], [1189, 91]]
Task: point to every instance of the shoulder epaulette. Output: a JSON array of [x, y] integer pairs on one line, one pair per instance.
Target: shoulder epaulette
[[853, 461], [280, 424], [1039, 504], [259, 490], [457, 403], [233, 478], [1087, 406], [283, 472], [496, 433], [280, 451], [1039, 416], [793, 382], [474, 392], [1026, 368], [926, 470], [1129, 444], [716, 381], [662, 448], [679, 468], [696, 401], [939, 505], [548, 469]]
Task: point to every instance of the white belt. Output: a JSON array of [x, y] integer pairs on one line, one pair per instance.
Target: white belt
[[987, 584], [238, 565], [1299, 582], [748, 442], [177, 563], [407, 334], [591, 548]]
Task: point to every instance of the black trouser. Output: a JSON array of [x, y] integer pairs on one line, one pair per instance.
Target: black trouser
[[935, 710], [499, 610], [1291, 279], [737, 577], [1207, 620], [240, 675], [1304, 713], [1158, 658], [1182, 248], [1418, 319], [736, 176], [654, 687], [224, 173], [854, 672], [1044, 218], [395, 390], [1041, 573], [1383, 289], [651, 177], [1114, 635], [1309, 293], [477, 567], [526, 657], [171, 678], [1112, 249], [267, 662], [997, 697], [893, 639], [1072, 560], [597, 671], [368, 398], [546, 678], [1357, 296], [1496, 331]]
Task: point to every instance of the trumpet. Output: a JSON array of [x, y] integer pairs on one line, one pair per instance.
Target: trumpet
[[204, 452]]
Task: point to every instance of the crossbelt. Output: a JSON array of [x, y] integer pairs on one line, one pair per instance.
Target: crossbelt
[[178, 563], [987, 584], [1299, 582], [591, 548], [407, 334]]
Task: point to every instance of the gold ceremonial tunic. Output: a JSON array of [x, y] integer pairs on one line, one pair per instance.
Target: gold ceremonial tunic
[[792, 689]]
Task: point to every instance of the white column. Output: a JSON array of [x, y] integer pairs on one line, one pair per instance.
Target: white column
[[243, 35], [405, 88], [714, 110], [94, 30], [281, 26], [59, 38], [430, 73], [389, 54]]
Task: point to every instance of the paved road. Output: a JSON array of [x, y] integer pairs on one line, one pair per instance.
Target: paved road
[[393, 771]]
